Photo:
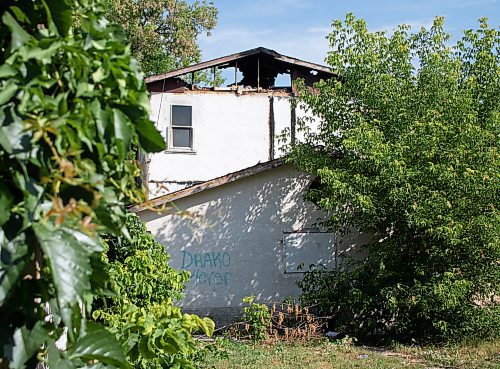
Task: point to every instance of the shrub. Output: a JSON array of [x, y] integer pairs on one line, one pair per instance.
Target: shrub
[[407, 150], [139, 269], [257, 318], [153, 332], [71, 102]]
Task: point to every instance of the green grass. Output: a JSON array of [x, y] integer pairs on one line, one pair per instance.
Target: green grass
[[226, 354], [483, 355]]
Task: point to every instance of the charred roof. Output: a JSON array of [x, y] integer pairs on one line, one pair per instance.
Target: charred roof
[[259, 68]]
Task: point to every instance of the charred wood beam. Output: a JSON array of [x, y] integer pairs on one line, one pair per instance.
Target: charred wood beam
[[258, 74], [228, 178], [271, 128], [239, 56], [236, 74]]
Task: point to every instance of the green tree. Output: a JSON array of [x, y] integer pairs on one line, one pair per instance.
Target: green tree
[[71, 102], [407, 149], [163, 33], [153, 332]]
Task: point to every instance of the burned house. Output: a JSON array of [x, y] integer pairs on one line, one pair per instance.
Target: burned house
[[235, 215], [213, 129]]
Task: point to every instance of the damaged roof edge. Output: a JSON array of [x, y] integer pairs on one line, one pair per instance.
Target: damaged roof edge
[[237, 56], [216, 182]]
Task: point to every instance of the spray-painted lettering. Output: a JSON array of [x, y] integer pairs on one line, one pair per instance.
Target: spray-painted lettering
[[202, 265], [199, 276], [205, 260]]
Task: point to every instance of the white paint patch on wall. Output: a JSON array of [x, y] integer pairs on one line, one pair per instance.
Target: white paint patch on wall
[[232, 239], [282, 121]]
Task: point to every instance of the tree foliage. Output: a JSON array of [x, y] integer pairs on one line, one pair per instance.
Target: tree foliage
[[407, 149], [153, 332], [71, 102], [139, 268], [163, 33]]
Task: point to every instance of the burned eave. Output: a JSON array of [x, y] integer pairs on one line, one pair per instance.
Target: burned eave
[[258, 67]]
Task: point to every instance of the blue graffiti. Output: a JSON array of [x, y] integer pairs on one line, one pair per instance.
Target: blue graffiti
[[211, 278], [201, 266], [206, 260]]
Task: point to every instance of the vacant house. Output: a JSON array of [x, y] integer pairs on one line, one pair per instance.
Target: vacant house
[[236, 215], [211, 131]]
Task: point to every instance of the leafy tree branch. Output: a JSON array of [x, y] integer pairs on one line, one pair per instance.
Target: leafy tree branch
[[71, 102], [407, 150], [163, 33]]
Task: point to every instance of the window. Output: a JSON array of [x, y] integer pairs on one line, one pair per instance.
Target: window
[[181, 128]]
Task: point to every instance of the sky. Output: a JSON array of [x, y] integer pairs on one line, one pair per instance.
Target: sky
[[298, 28]]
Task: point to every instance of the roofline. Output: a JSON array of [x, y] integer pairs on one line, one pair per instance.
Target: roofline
[[213, 183], [231, 57]]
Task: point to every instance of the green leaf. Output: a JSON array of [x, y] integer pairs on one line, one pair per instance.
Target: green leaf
[[69, 263], [99, 344], [7, 71], [123, 131], [146, 352], [208, 326], [62, 15], [5, 203], [205, 324], [99, 75], [92, 244], [43, 54], [55, 360], [19, 14], [149, 137], [18, 35], [7, 92], [26, 344], [12, 262], [102, 117]]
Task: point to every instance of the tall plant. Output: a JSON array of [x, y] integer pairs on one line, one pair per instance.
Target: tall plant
[[407, 149], [71, 103], [152, 331], [163, 34]]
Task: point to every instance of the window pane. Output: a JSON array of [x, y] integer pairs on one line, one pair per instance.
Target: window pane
[[181, 137], [181, 115]]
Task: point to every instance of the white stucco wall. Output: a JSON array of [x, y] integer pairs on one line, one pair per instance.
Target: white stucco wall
[[230, 131], [230, 238]]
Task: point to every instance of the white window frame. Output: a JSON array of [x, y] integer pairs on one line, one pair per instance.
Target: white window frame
[[170, 133]]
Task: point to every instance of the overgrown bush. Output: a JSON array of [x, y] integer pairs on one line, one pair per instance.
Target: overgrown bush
[[257, 318], [153, 332], [71, 102], [139, 268], [286, 321], [407, 150]]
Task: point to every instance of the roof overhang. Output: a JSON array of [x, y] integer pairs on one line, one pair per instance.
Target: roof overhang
[[231, 60], [213, 183]]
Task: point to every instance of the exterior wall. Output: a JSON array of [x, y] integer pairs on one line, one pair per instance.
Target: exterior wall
[[282, 121], [230, 131], [231, 239]]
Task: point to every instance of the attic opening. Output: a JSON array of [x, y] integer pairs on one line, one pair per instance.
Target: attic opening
[[251, 74], [256, 70]]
